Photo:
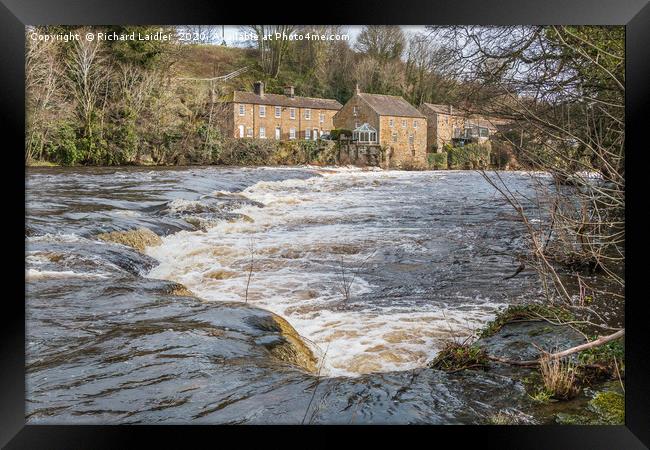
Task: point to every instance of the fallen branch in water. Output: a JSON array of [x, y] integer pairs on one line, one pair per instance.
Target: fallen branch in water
[[579, 348]]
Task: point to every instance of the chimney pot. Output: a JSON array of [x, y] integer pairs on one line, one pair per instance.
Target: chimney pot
[[258, 88], [289, 91]]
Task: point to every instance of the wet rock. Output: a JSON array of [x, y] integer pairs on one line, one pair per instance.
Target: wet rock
[[287, 346], [138, 239], [522, 340]]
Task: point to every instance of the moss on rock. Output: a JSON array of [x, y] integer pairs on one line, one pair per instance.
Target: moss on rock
[[610, 407], [454, 357]]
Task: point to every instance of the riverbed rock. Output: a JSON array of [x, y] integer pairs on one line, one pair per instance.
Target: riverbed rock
[[523, 340], [287, 345], [138, 239]]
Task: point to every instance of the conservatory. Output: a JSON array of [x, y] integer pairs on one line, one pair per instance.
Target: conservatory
[[365, 134]]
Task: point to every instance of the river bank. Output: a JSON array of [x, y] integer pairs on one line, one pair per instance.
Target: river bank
[[139, 335]]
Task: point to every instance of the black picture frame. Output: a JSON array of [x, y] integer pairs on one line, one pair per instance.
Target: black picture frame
[[15, 14]]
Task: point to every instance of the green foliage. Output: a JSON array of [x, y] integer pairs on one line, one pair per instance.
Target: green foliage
[[526, 312], [337, 133], [438, 160], [454, 357], [63, 147], [470, 156]]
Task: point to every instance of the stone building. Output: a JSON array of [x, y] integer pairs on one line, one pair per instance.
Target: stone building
[[448, 125], [261, 115], [389, 121]]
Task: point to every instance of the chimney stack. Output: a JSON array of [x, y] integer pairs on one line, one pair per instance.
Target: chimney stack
[[451, 109], [357, 90], [258, 88], [289, 91]]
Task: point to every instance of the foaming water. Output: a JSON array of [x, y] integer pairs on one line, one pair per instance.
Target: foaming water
[[375, 268]]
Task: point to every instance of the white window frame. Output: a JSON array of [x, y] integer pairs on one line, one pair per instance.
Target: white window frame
[[415, 123], [262, 111], [307, 134], [241, 131], [307, 114], [411, 139], [278, 112], [242, 110], [292, 133], [249, 132], [355, 110], [278, 133], [391, 123], [394, 136], [321, 118], [404, 123], [262, 132], [315, 133], [292, 113]]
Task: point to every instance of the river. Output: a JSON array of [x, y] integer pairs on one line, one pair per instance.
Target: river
[[374, 269]]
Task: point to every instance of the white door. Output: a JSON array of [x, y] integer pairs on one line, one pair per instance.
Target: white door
[[277, 133], [241, 131], [315, 134]]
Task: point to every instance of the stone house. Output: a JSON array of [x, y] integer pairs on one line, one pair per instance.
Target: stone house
[[448, 125], [261, 115], [388, 121]]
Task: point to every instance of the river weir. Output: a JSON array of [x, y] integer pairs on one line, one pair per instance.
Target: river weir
[[266, 295]]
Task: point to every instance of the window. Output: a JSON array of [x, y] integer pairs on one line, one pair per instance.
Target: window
[[391, 123], [415, 123], [394, 136], [278, 133], [356, 124], [262, 111], [321, 118], [355, 110], [484, 132], [278, 111], [292, 113], [307, 134], [403, 123], [315, 134], [411, 139], [249, 132], [241, 131], [242, 110], [262, 133], [307, 114], [292, 133]]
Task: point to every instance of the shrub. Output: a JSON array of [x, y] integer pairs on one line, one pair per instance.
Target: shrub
[[470, 156], [337, 133], [63, 147], [438, 160]]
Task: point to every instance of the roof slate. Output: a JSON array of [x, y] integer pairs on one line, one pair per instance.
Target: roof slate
[[390, 105], [285, 100]]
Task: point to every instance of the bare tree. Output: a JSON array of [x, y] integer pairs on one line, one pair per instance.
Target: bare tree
[[272, 43]]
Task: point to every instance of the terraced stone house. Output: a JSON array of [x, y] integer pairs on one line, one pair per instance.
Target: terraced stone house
[[449, 125], [261, 115], [388, 121]]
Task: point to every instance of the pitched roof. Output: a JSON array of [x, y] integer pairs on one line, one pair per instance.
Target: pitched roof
[[285, 100], [440, 109], [390, 105]]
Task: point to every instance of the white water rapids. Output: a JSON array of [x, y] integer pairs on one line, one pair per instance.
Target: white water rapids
[[378, 232]]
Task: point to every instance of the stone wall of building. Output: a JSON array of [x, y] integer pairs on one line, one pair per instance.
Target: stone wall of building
[[405, 140], [261, 121]]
